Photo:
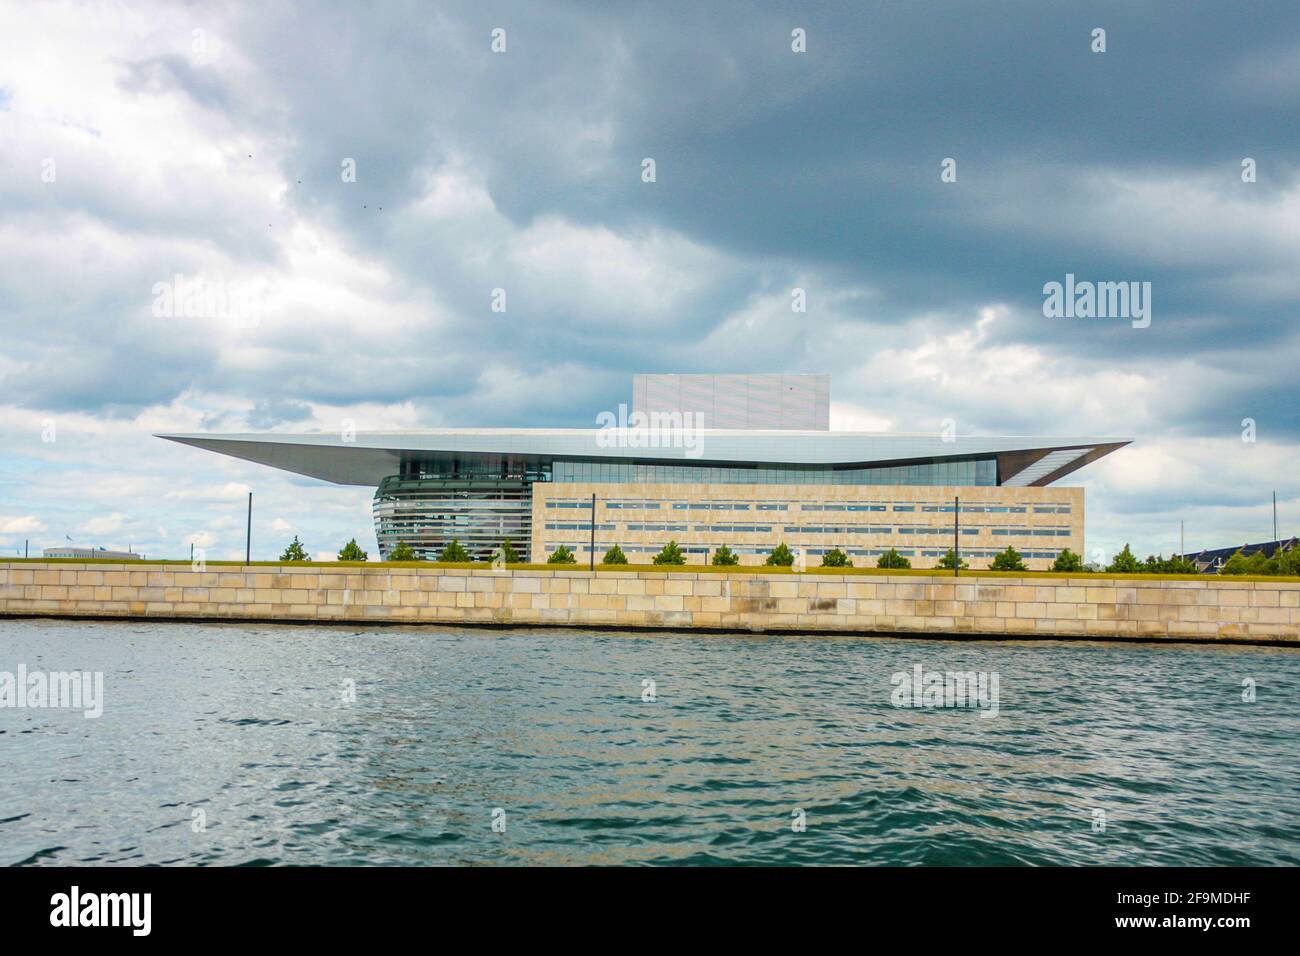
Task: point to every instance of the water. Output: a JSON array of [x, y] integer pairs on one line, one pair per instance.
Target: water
[[248, 724]]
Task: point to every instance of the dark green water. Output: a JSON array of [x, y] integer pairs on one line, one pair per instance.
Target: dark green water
[[249, 725]]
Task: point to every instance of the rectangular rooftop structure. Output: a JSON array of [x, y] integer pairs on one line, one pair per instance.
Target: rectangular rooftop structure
[[799, 402]]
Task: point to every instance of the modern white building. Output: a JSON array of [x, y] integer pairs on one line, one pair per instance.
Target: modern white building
[[749, 488]]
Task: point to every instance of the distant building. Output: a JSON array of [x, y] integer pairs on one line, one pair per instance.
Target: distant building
[[92, 553], [1211, 560]]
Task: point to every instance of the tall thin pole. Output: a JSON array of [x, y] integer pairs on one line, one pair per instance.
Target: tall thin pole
[[592, 552], [956, 539], [248, 534], [26, 545]]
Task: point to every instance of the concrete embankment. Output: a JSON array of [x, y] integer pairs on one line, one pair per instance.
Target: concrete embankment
[[1081, 606]]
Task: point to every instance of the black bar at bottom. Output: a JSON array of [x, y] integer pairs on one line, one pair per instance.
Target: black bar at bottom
[[942, 906]]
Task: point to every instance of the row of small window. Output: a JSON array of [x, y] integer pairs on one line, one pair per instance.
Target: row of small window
[[886, 529], [811, 529], [840, 529], [1034, 532], [584, 548], [677, 506], [909, 553], [843, 508], [601, 548], [1050, 555], [729, 506]]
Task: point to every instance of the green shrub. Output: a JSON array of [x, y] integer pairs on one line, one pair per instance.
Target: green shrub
[[892, 559], [402, 552], [614, 555], [1180, 565], [671, 554], [295, 551], [1008, 560], [508, 554], [562, 555], [1161, 565], [835, 558], [1124, 563], [352, 552], [724, 557], [781, 557], [949, 559], [1067, 560], [454, 553]]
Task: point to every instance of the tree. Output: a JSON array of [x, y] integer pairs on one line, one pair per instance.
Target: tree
[[724, 557], [295, 551], [1067, 560], [1288, 562], [671, 554], [454, 554], [562, 555], [402, 552], [1124, 563], [508, 553], [949, 559], [1177, 564], [1254, 563], [781, 557], [835, 558], [892, 559], [614, 555], [352, 552], [1008, 560]]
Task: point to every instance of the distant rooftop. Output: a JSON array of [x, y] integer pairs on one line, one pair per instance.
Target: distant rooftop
[[92, 553]]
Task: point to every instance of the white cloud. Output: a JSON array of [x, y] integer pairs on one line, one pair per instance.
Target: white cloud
[[20, 524], [105, 524]]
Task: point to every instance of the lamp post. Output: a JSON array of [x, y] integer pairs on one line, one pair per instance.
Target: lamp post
[[956, 532], [248, 534]]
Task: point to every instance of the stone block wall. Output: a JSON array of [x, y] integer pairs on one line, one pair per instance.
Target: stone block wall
[[1086, 606]]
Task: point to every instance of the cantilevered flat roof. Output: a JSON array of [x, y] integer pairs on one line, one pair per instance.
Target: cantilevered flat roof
[[369, 457]]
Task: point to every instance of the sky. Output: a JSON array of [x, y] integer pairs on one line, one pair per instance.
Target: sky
[[351, 183]]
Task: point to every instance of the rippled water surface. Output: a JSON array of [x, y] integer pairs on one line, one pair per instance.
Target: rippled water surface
[[249, 725]]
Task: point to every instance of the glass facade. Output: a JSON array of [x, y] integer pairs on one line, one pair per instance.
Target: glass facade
[[428, 514], [975, 472]]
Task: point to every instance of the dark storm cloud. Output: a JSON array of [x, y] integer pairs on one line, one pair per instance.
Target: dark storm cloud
[[829, 160], [824, 164]]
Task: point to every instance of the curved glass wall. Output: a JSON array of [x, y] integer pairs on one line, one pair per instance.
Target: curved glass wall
[[428, 514]]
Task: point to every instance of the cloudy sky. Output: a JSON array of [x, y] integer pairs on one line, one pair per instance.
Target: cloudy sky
[[142, 142]]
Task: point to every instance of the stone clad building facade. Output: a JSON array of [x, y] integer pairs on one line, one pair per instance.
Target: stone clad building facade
[[862, 521]]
